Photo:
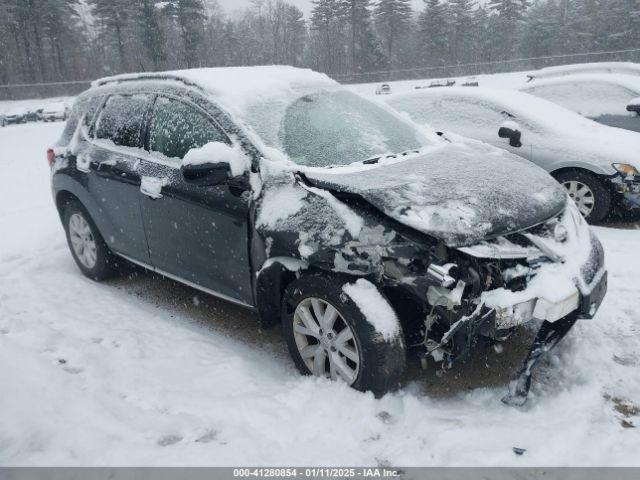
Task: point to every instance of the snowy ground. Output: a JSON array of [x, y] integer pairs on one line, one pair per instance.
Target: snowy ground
[[143, 371]]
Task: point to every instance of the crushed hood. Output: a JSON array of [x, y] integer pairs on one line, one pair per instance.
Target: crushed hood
[[460, 193]]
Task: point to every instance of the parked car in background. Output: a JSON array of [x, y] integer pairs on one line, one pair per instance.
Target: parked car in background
[[598, 165], [277, 189], [33, 115], [384, 89], [54, 111], [15, 115], [606, 98]]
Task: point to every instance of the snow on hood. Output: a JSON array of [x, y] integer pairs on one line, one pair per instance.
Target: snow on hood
[[460, 193]]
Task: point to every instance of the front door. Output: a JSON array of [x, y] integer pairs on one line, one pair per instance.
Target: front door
[[197, 233]]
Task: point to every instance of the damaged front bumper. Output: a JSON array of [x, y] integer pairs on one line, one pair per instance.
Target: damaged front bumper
[[566, 280], [628, 190]]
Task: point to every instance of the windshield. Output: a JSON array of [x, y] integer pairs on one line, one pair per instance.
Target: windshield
[[340, 127]]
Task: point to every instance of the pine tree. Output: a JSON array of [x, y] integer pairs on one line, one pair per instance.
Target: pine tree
[[510, 14], [482, 37], [189, 17], [460, 15], [151, 33], [328, 27], [433, 27], [393, 23], [113, 22], [364, 51]]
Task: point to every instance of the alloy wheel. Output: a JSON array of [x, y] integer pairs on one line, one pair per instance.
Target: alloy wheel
[[325, 341], [82, 241], [582, 195]]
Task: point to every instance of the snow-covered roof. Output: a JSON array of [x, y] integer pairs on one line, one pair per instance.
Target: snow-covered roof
[[626, 68], [628, 81], [256, 96], [590, 95], [570, 135], [519, 104]]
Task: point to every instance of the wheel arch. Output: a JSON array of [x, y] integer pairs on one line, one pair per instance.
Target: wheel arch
[[596, 170], [63, 197]]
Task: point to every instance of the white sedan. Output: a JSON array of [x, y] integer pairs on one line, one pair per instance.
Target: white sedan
[[598, 165]]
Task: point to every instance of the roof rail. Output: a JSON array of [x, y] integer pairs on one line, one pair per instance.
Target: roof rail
[[143, 76]]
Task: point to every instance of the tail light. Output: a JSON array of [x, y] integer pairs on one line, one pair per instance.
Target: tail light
[[51, 156]]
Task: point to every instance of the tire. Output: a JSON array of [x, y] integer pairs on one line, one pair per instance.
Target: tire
[[575, 182], [88, 249], [380, 363]]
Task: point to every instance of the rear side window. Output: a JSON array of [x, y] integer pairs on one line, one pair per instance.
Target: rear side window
[[177, 128], [122, 119], [86, 107], [89, 109]]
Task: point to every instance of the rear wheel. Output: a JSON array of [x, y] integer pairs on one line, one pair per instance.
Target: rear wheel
[[589, 194], [328, 336], [87, 246]]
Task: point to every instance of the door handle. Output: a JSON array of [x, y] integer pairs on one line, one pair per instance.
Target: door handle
[[109, 170]]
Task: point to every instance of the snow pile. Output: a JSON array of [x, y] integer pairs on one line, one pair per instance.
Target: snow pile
[[374, 307], [458, 192], [218, 152]]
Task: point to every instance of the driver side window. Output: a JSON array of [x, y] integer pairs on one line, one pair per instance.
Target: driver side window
[[177, 128]]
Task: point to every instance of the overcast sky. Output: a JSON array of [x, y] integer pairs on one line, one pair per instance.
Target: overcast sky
[[304, 5]]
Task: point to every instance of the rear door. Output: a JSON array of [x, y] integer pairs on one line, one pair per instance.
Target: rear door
[[196, 233], [112, 159]]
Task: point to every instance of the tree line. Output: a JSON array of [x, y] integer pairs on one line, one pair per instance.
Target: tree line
[[62, 40]]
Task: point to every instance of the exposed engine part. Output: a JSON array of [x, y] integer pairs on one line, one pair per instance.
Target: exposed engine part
[[442, 274], [446, 297]]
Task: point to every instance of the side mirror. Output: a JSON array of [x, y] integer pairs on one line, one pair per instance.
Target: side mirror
[[634, 106], [208, 174], [511, 130]]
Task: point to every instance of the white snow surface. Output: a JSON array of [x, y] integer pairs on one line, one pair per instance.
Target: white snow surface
[[374, 307], [150, 384]]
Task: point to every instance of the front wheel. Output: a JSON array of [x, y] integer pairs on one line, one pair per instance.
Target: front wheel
[[329, 336], [589, 194]]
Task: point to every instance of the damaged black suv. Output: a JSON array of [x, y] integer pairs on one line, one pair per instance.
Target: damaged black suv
[[276, 189]]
